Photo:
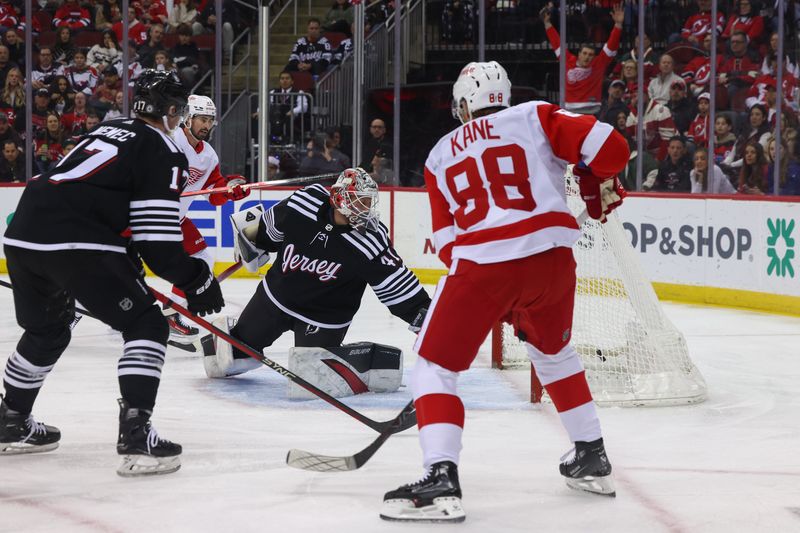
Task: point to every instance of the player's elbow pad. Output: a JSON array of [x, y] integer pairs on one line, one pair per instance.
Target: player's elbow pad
[[613, 156]]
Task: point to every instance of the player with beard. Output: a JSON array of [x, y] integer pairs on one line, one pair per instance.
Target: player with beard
[[192, 139]]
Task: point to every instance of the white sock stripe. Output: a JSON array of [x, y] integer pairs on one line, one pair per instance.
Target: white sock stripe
[[430, 378], [582, 422], [550, 368], [145, 351], [139, 372], [440, 442], [23, 363], [21, 384], [145, 344], [22, 377], [141, 358]]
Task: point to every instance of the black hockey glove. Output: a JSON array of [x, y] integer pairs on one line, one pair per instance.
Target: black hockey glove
[[416, 324], [203, 293]]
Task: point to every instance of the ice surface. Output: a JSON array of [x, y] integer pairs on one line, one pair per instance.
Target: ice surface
[[729, 464]]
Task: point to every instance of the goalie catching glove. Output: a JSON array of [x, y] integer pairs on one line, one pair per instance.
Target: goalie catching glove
[[601, 195], [245, 223]]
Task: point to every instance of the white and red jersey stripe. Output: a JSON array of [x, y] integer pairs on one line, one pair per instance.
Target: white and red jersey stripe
[[203, 169], [496, 184]]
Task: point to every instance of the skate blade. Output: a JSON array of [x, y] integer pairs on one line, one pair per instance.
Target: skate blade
[[445, 509], [147, 465], [19, 448], [186, 346], [602, 485]]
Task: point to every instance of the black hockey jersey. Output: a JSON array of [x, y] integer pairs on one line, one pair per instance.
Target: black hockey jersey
[[124, 174], [304, 51], [321, 269]]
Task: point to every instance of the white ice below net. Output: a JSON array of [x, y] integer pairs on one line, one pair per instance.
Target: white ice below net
[[632, 353]]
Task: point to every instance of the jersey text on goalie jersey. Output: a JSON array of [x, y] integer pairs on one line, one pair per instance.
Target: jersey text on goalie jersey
[[326, 270], [471, 132]]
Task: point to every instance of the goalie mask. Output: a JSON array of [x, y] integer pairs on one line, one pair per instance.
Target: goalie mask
[[480, 85], [355, 195], [200, 106]]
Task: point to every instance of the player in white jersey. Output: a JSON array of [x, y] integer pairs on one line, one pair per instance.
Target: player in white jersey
[[502, 226], [204, 173]]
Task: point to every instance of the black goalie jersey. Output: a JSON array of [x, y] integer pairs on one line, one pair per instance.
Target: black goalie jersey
[[124, 174], [321, 269]]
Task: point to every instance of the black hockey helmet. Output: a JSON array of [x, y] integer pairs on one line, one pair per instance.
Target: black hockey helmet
[[156, 91]]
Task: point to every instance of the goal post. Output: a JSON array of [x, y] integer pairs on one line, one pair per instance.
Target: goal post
[[632, 353]]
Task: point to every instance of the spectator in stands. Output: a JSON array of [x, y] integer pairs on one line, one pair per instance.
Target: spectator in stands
[[16, 48], [311, 53], [659, 127], [682, 108], [660, 85], [62, 95], [47, 145], [71, 15], [699, 128], [64, 48], [106, 14], [334, 143], [382, 168], [613, 103], [8, 15], [106, 93], [207, 23], [116, 109], [47, 70], [753, 174], [773, 52], [724, 142], [738, 70], [286, 107], [757, 132], [339, 17], [186, 56], [105, 54], [137, 32], [745, 21], [162, 61], [69, 144], [699, 24], [757, 92], [13, 99], [153, 12], [673, 172], [458, 21], [41, 107], [92, 120], [697, 72], [585, 73], [12, 166], [81, 76], [318, 159], [272, 167], [7, 133], [788, 170], [135, 68], [5, 64], [345, 47], [719, 182], [650, 63], [184, 13], [74, 121], [377, 140], [147, 51], [629, 75]]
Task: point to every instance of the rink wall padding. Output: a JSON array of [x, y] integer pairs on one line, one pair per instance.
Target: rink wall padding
[[735, 251]]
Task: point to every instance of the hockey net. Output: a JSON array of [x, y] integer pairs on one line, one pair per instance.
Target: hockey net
[[633, 355]]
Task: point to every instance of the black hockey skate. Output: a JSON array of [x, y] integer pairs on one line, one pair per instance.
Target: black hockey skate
[[143, 451], [434, 498], [22, 434], [586, 467]]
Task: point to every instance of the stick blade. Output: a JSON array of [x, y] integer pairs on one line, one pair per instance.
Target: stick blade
[[319, 463]]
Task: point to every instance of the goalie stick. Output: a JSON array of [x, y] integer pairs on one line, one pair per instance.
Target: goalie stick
[[393, 426], [265, 184]]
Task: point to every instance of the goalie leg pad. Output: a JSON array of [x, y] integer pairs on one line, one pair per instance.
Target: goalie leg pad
[[218, 358], [347, 370]]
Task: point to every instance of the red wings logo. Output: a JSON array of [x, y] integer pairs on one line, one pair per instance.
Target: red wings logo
[[195, 175], [577, 74]]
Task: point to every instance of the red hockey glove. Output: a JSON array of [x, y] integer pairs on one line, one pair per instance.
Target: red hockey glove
[[235, 189], [600, 195]]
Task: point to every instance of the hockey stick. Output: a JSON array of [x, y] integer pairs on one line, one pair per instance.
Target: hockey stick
[[328, 463], [394, 425], [265, 184]]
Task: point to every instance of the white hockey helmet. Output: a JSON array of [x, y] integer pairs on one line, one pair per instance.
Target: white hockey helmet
[[199, 105], [355, 195], [480, 85]]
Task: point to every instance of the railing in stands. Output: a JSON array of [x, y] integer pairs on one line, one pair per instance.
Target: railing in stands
[[235, 129]]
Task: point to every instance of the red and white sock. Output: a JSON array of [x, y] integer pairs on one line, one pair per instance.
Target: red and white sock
[[564, 379], [440, 412]]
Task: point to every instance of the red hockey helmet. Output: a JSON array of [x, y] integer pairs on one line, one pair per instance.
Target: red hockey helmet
[[355, 195]]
